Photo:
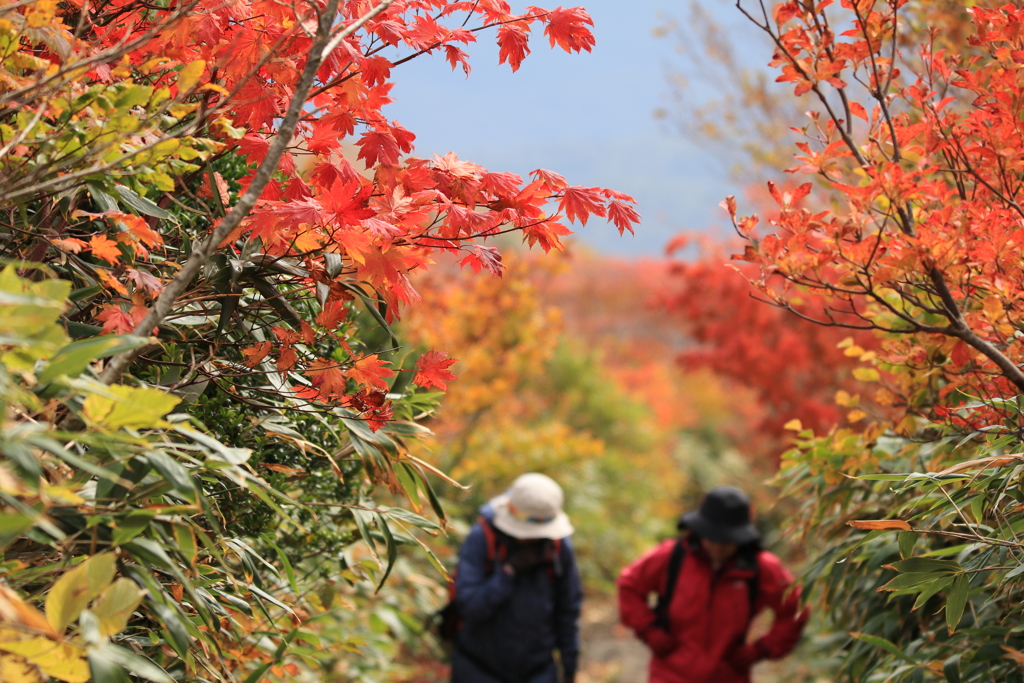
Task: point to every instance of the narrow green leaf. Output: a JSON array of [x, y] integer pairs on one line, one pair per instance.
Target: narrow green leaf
[[926, 565], [391, 546], [885, 645], [907, 539], [140, 666], [908, 581], [288, 571], [951, 667], [131, 525], [957, 600], [141, 204], [174, 472], [927, 593], [72, 359]]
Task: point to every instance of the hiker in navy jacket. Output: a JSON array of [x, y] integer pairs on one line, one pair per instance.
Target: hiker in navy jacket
[[521, 606]]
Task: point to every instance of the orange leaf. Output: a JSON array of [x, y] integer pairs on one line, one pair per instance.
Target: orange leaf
[[256, 353], [110, 282], [115, 321], [105, 248], [327, 376], [70, 244], [370, 372], [879, 524]]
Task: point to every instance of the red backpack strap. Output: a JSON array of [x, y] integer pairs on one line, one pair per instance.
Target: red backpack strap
[[494, 550]]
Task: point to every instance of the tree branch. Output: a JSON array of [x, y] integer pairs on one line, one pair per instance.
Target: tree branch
[[162, 306]]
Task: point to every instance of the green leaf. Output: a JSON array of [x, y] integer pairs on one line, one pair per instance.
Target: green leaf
[[75, 589], [76, 356], [935, 587], [957, 600], [141, 204], [391, 546], [926, 565], [11, 527], [951, 668], [885, 645], [907, 540], [908, 581], [131, 525], [140, 666], [173, 472], [104, 670], [175, 632]]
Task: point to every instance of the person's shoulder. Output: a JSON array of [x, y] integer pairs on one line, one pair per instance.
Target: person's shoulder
[[769, 563]]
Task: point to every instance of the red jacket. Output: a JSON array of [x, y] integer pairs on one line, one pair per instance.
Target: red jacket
[[709, 615]]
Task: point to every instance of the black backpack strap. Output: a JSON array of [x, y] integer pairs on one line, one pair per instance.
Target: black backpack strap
[[754, 587], [675, 565]]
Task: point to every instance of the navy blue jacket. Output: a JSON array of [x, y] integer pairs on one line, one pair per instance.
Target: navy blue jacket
[[512, 625]]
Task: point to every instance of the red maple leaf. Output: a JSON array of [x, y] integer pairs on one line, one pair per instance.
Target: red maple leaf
[[255, 354], [579, 202], [378, 147], [327, 376], [455, 56], [623, 216], [484, 257], [370, 372], [115, 321], [568, 28], [513, 42], [433, 370]]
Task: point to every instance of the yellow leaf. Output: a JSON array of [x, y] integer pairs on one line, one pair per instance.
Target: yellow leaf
[[868, 356], [793, 425], [64, 661], [129, 407], [16, 670], [856, 415], [853, 351], [61, 494], [843, 398], [848, 341], [115, 605], [993, 308], [76, 588], [189, 76], [866, 374]]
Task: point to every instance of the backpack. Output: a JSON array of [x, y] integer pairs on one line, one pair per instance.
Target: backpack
[[675, 565], [448, 620]]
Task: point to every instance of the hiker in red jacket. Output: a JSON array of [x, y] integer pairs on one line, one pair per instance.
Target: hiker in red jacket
[[698, 631]]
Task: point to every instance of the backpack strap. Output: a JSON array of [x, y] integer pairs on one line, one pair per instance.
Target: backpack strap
[[675, 564], [494, 549]]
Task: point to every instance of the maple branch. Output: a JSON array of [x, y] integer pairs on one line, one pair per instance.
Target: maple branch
[[173, 289]]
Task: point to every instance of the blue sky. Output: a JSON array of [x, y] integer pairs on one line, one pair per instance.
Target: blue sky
[[588, 116]]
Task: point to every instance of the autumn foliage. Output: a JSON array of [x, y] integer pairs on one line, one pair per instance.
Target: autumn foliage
[[908, 232], [205, 201]]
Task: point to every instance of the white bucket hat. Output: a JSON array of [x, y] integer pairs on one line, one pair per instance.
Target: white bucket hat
[[532, 508]]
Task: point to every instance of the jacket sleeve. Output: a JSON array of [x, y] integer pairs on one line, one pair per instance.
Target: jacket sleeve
[[638, 581], [478, 594], [779, 594], [569, 600]]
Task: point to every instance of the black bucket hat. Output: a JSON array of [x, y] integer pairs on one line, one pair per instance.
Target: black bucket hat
[[723, 517]]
